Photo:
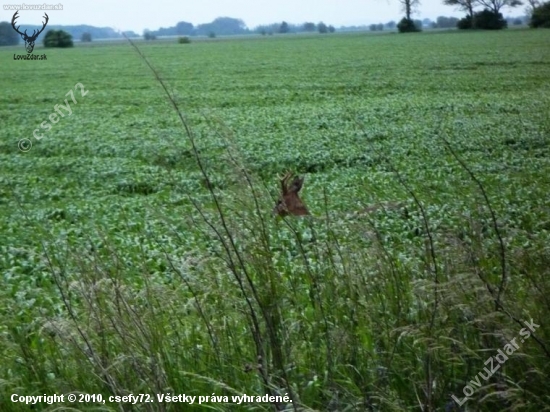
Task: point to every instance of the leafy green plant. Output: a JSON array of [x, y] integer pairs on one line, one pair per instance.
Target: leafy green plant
[[541, 16], [139, 255], [58, 38], [465, 23], [407, 26], [489, 20]]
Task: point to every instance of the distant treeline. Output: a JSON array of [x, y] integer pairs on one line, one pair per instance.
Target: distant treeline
[[75, 31], [223, 26], [230, 26], [220, 26]]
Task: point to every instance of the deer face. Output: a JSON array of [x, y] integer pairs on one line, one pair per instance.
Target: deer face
[[29, 43], [29, 40], [289, 202]]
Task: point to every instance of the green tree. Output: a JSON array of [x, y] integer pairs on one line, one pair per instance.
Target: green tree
[[496, 5], [322, 27], [148, 35], [465, 23], [8, 36], [531, 5], [446, 22], [541, 16], [223, 26], [86, 37], [283, 28], [308, 26], [409, 7], [463, 5], [58, 38], [267, 29], [407, 26], [489, 20], [184, 28]]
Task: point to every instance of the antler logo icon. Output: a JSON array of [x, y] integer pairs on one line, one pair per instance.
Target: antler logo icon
[[29, 40]]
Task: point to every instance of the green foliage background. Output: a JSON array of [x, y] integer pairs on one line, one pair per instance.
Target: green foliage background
[[120, 274]]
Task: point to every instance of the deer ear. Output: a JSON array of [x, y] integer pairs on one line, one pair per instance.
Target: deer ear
[[296, 185], [289, 202]]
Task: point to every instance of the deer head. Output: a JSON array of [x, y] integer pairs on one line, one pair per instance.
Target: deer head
[[29, 40], [289, 202]]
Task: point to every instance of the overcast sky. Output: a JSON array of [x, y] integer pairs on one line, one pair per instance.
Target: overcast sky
[[138, 15]]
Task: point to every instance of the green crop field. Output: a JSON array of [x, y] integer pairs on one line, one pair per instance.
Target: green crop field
[[139, 254]]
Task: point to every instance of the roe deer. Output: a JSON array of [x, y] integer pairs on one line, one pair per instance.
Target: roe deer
[[289, 202]]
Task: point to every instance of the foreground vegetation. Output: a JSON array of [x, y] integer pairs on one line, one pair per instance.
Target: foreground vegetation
[[139, 258]]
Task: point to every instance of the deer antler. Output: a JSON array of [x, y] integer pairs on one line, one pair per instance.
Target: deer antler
[[284, 182], [15, 16], [289, 201], [43, 26], [34, 33]]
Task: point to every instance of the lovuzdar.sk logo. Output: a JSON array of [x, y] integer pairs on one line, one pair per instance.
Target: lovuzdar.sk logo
[[29, 40]]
